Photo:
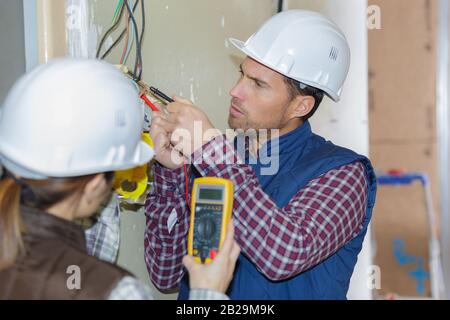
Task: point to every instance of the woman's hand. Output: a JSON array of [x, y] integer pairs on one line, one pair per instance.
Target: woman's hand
[[218, 274]]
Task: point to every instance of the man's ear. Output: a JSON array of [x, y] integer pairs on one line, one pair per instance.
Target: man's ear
[[302, 106]]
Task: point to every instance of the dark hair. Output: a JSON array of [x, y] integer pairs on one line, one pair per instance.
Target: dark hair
[[296, 88]]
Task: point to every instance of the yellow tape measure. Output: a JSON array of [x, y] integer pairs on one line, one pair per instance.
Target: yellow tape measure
[[211, 211], [132, 183]]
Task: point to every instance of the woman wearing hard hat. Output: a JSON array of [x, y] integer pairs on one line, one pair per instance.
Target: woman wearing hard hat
[[65, 128]]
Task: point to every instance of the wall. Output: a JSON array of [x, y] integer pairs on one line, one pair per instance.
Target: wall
[[346, 123], [31, 27], [12, 50], [186, 50]]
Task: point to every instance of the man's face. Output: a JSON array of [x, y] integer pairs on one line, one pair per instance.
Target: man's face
[[260, 99]]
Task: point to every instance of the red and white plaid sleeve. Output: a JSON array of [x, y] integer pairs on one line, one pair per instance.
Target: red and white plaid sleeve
[[165, 239], [283, 242]]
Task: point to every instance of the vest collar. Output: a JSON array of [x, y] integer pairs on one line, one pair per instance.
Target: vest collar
[[286, 144], [42, 225], [293, 140]]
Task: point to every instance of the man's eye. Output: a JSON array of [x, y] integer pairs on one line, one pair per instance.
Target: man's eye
[[258, 84]]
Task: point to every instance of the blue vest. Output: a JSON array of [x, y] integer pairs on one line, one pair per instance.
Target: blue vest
[[303, 156]]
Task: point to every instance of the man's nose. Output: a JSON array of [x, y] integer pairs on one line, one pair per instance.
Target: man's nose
[[237, 91]]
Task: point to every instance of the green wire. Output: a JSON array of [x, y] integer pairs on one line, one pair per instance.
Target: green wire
[[119, 5]]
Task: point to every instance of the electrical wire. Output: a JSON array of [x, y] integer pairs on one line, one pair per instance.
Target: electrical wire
[[141, 40], [131, 27], [110, 49], [129, 46], [119, 5], [280, 5], [127, 39], [186, 181], [138, 45], [110, 30]]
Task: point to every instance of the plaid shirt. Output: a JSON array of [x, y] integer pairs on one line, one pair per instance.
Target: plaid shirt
[[103, 238], [130, 288], [282, 242]]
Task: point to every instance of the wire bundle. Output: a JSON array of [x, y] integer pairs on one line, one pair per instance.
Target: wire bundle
[[130, 33]]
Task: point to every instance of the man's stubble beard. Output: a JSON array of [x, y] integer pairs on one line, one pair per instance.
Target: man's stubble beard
[[251, 128]]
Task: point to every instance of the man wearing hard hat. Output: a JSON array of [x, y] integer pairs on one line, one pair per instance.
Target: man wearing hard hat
[[301, 228]]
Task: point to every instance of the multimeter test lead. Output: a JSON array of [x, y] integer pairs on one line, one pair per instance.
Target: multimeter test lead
[[161, 95], [148, 102]]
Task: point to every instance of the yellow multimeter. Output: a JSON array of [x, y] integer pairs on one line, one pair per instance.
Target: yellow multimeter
[[211, 211]]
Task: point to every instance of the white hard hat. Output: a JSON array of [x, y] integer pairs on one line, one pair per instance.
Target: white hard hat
[[72, 117], [302, 45]]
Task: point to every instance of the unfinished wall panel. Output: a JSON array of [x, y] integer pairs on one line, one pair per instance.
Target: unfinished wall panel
[[402, 113]]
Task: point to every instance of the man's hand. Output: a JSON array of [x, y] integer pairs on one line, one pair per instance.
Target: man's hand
[[165, 153], [188, 126], [218, 274]]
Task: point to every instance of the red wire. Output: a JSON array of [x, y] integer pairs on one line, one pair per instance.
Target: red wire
[[149, 103], [187, 184]]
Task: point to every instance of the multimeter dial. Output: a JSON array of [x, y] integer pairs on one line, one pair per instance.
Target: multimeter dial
[[211, 211], [207, 229]]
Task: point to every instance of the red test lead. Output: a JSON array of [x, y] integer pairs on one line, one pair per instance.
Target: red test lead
[[148, 102]]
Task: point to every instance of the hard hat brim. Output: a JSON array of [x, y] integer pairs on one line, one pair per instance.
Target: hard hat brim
[[238, 44], [27, 171], [147, 153]]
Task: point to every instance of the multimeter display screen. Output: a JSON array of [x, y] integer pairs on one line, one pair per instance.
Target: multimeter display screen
[[210, 194]]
